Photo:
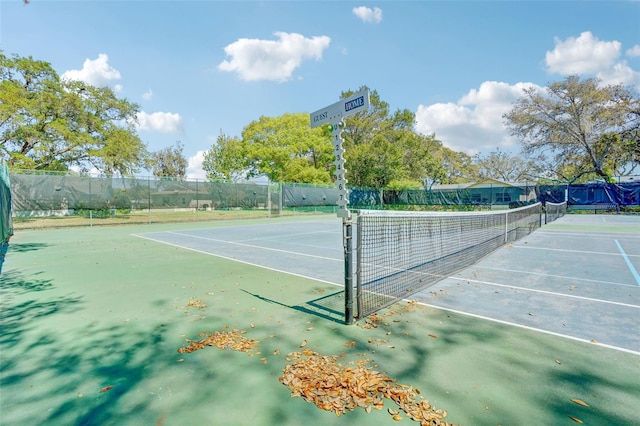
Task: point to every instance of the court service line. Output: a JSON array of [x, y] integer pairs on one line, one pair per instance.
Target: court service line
[[526, 327], [298, 234], [240, 261], [553, 293], [592, 235], [570, 251], [257, 247], [628, 262], [553, 276]]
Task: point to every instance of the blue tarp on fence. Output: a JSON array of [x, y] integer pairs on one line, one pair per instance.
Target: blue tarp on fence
[[621, 194]]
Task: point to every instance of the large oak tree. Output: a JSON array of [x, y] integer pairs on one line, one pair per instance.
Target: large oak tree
[[579, 127], [49, 123]]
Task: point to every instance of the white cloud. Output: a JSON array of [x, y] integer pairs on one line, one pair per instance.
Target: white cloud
[[255, 59], [147, 95], [582, 55], [620, 73], [194, 167], [368, 15], [634, 51], [95, 72], [474, 123], [587, 54], [163, 122]]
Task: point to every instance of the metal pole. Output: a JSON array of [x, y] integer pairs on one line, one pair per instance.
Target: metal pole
[[348, 270]]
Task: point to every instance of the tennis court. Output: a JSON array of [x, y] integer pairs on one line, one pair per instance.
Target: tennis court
[[555, 280], [92, 319]]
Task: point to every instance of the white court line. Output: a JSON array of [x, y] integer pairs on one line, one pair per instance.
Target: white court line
[[420, 303], [254, 246], [570, 251], [553, 276], [239, 261], [287, 235], [592, 235], [628, 262], [526, 327], [553, 293]]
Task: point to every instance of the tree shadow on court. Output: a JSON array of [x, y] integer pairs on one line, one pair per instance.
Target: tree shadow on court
[[57, 369], [26, 247], [14, 282]]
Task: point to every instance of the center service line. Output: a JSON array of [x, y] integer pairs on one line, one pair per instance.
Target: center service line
[[629, 264]]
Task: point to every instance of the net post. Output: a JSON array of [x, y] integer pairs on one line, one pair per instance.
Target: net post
[[506, 227], [347, 226], [359, 265]]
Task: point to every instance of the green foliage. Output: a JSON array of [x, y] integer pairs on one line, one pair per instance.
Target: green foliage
[[47, 123], [121, 202], [398, 185], [169, 162], [276, 144], [284, 149], [578, 127], [226, 160], [381, 149], [503, 166], [94, 207]]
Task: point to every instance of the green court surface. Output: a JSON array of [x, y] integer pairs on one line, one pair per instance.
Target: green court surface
[[92, 320]]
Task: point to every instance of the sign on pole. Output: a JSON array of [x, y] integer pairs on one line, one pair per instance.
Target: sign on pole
[[334, 113], [332, 116]]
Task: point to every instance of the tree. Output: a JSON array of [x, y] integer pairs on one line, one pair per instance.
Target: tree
[[226, 160], [579, 127], [458, 167], [382, 149], [503, 166], [169, 162], [47, 123]]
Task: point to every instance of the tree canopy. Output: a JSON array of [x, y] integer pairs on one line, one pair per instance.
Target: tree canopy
[[49, 123], [381, 150], [503, 166], [169, 162], [578, 127], [284, 149]]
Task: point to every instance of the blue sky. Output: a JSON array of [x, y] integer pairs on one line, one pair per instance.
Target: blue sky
[[200, 67]]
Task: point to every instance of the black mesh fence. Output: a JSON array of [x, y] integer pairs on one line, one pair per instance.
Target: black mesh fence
[[6, 225], [63, 194], [47, 194]]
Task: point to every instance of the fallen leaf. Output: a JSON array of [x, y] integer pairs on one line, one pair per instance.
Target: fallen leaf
[[580, 402]]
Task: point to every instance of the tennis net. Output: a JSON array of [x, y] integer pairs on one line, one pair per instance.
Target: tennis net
[[401, 253], [553, 211]]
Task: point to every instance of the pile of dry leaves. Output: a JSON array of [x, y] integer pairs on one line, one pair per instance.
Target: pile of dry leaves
[[222, 340], [333, 387]]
